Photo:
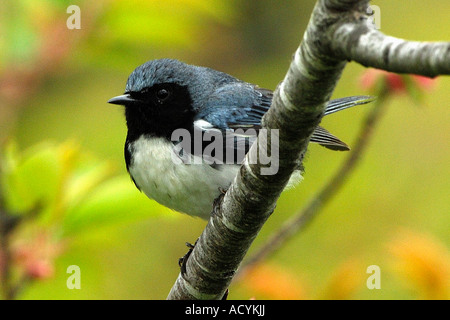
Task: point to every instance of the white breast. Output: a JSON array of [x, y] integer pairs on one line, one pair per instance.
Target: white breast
[[190, 189]]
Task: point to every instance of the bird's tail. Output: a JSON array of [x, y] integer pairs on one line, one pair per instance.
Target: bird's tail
[[347, 102], [326, 139]]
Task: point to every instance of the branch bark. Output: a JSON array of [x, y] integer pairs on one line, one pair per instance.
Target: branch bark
[[372, 48], [338, 32], [300, 220]]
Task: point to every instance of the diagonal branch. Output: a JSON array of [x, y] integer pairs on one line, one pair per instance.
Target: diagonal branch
[[300, 220], [296, 110]]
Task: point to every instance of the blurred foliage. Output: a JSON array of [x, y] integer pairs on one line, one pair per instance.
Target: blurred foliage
[[420, 262], [173, 24], [53, 193], [73, 191], [77, 206], [423, 263]]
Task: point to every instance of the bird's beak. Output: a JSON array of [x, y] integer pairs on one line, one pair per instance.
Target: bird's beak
[[122, 100]]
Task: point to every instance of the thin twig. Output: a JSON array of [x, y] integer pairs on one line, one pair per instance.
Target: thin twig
[[298, 222]]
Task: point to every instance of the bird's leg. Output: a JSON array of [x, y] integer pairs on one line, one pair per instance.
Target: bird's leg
[[223, 190], [219, 198], [182, 261]]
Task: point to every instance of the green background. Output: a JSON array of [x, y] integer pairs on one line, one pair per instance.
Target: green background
[[399, 193]]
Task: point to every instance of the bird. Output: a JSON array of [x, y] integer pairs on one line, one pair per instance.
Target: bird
[[164, 96]]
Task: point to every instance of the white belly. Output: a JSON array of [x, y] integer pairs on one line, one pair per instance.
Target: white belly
[[190, 189]]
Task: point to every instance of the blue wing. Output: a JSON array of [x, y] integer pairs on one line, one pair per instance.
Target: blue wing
[[241, 105], [236, 105]]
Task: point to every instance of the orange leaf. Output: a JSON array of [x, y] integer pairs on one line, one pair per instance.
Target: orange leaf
[[273, 282]]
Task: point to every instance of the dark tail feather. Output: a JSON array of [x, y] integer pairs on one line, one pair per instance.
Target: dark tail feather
[[326, 139], [347, 102]]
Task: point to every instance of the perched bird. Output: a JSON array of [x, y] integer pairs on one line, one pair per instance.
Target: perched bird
[[166, 95]]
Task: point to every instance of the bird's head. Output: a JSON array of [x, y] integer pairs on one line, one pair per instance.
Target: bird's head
[[157, 99]]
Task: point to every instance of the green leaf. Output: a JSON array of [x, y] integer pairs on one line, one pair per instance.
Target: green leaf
[[30, 179], [76, 192], [85, 179], [114, 201]]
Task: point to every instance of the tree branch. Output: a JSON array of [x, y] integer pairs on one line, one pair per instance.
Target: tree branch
[[372, 48], [297, 108], [300, 220]]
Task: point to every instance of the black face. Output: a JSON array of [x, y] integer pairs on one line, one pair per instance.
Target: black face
[[158, 111]]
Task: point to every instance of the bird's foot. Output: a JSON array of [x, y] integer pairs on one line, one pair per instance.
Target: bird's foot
[[182, 261]]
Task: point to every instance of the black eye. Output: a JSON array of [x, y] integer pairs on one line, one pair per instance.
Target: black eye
[[162, 94]]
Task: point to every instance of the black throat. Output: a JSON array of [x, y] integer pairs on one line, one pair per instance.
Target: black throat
[[150, 116]]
